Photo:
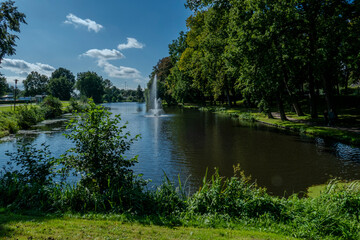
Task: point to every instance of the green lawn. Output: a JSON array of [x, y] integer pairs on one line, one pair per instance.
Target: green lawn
[[6, 108], [317, 190], [14, 226]]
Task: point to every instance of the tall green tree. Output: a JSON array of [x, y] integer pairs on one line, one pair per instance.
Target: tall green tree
[[61, 84], [90, 85], [10, 20], [98, 152], [35, 84], [139, 94], [162, 71], [3, 85]]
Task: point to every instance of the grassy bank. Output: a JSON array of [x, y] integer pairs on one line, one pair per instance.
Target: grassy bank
[[27, 115], [14, 226], [343, 131]]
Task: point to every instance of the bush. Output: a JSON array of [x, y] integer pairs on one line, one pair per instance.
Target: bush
[[28, 186], [51, 107], [98, 156], [29, 116], [75, 106], [235, 197], [8, 122]]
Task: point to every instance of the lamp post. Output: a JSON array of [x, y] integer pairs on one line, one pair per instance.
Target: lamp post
[[15, 93]]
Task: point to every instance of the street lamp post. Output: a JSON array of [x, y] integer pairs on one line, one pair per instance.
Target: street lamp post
[[16, 81]]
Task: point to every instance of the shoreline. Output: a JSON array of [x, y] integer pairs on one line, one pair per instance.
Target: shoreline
[[298, 125]]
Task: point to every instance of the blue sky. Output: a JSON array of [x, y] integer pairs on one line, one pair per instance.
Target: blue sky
[[121, 40]]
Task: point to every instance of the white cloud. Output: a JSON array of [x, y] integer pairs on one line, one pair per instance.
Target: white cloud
[[131, 43], [23, 68], [138, 81], [76, 21], [104, 54], [118, 72], [11, 80]]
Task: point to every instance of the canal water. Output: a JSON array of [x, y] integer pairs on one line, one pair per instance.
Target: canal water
[[184, 143]]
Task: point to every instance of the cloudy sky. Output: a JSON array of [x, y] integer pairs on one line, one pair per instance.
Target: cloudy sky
[[121, 40]]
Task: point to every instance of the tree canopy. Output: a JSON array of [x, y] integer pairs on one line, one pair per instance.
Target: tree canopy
[[61, 83], [90, 85], [35, 84], [10, 20], [271, 54]]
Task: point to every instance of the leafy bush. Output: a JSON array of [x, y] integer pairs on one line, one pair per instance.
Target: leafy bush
[[75, 106], [29, 116], [8, 122], [167, 199], [51, 107], [98, 156], [235, 197], [27, 187]]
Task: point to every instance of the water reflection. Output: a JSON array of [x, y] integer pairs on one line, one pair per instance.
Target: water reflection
[[187, 142]]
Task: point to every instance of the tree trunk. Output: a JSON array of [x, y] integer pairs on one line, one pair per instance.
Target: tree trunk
[[328, 91], [312, 10], [233, 95], [281, 107], [293, 99], [227, 92]]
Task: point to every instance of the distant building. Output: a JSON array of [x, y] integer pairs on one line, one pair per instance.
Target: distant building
[[7, 98]]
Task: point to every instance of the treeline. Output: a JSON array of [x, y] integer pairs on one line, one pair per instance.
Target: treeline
[[270, 54], [62, 84]]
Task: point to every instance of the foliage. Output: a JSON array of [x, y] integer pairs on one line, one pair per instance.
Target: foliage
[[75, 106], [10, 20], [61, 84], [231, 203], [273, 54], [161, 70], [29, 115], [140, 94], [35, 84], [3, 85], [99, 147], [235, 197], [51, 107], [90, 85], [8, 123], [27, 186]]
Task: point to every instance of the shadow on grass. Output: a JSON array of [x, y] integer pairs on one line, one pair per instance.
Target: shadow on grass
[[9, 221], [8, 217]]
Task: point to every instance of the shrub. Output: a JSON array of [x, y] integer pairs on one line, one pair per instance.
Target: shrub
[[235, 197], [29, 116], [76, 106], [51, 107], [98, 155], [27, 187]]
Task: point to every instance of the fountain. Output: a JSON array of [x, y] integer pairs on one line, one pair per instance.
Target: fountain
[[155, 103]]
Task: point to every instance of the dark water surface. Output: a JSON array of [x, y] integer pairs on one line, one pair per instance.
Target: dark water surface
[[187, 142]]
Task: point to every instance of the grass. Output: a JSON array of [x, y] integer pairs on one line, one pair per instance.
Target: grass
[[15, 226], [65, 104], [316, 190], [9, 120], [6, 108]]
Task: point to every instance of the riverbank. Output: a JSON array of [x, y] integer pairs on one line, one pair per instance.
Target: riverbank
[[346, 131], [25, 115], [17, 226]]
